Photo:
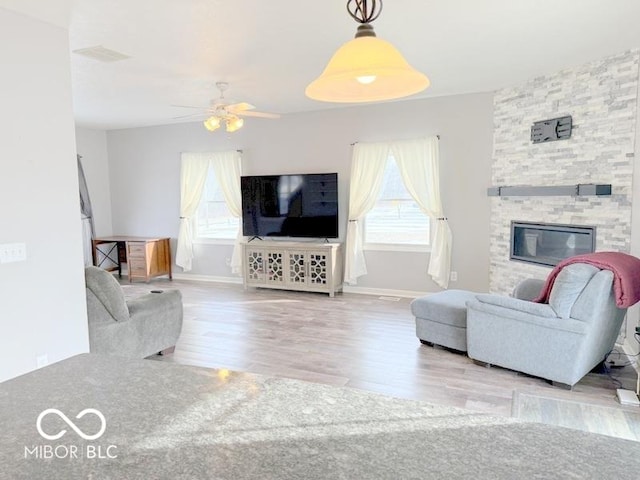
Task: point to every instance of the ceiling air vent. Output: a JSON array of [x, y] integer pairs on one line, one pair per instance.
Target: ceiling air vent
[[101, 54]]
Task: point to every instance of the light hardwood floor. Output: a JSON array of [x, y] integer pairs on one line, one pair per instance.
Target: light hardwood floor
[[361, 341]]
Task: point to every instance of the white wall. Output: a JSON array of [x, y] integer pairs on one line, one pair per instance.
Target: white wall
[[42, 300], [145, 166], [92, 146]]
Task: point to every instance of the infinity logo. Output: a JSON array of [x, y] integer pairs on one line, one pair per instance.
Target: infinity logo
[[71, 424]]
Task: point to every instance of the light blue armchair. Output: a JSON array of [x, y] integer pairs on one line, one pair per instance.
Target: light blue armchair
[[561, 341]]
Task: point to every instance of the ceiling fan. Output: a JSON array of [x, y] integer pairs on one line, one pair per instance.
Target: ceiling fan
[[219, 112]]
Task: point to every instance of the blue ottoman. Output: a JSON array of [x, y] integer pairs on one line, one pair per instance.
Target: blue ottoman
[[441, 318]]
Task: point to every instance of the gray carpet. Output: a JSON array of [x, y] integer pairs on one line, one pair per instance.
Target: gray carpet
[[178, 422]]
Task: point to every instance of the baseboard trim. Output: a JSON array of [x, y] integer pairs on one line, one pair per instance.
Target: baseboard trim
[[207, 278], [383, 291], [345, 288]]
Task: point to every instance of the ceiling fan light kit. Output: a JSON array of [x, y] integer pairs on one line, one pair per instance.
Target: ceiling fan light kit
[[232, 123], [212, 123], [367, 68]]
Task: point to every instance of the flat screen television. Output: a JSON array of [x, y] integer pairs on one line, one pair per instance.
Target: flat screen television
[[303, 205]]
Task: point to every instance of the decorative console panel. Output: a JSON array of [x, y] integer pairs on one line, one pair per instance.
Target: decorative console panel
[[311, 267]]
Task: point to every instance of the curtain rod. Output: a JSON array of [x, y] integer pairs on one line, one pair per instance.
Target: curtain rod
[[354, 143]]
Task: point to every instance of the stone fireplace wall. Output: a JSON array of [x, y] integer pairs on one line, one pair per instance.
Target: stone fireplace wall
[[602, 99]]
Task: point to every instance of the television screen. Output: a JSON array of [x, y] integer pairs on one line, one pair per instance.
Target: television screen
[[304, 205]]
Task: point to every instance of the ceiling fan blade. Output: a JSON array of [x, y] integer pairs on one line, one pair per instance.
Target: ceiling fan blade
[[202, 114], [191, 106], [240, 107], [258, 114]]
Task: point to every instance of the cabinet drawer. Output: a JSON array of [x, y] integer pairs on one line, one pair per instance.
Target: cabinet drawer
[[138, 272], [137, 250], [137, 264]]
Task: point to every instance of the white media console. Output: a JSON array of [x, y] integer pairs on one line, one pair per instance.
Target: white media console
[[305, 266]]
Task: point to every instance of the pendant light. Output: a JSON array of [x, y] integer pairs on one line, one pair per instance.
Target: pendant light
[[367, 68]]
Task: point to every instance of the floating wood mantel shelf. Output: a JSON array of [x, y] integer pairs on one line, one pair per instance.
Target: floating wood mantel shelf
[[581, 190]]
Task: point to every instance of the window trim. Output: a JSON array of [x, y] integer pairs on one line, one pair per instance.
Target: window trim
[[213, 241], [197, 238], [402, 246], [204, 240], [397, 247]]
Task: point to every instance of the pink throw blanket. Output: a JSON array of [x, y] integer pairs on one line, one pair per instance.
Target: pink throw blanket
[[626, 275]]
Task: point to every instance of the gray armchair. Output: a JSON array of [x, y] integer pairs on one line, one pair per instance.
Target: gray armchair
[[139, 327], [560, 341]]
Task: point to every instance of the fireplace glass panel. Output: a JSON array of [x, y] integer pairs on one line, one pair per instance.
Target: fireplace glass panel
[[548, 244]]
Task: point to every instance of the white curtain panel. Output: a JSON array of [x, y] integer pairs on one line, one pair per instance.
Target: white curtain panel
[[228, 168], [367, 172], [86, 241], [193, 175], [419, 165]]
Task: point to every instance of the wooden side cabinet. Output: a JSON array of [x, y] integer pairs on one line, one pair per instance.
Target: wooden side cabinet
[[311, 267], [148, 258]]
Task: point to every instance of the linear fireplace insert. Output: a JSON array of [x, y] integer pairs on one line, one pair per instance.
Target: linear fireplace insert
[[548, 243]]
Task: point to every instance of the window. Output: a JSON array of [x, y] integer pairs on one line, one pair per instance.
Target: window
[[213, 219], [396, 221]]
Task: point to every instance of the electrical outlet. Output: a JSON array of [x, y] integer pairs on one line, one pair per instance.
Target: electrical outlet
[[42, 360], [13, 252], [453, 277]]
